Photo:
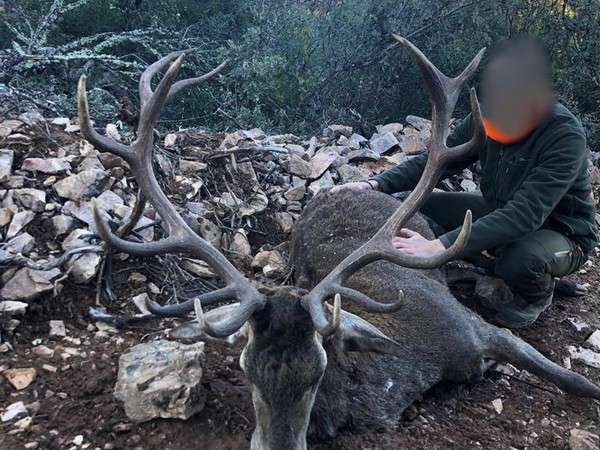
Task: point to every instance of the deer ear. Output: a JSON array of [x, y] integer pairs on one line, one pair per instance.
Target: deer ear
[[192, 331], [357, 335]]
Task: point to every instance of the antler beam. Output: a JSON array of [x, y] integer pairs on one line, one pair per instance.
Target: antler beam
[[443, 94]]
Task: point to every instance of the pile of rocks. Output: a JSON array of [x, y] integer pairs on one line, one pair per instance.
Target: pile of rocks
[[223, 183]]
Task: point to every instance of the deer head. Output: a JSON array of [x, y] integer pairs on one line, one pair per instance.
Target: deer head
[[286, 327]]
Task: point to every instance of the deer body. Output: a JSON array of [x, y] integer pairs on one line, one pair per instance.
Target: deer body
[[438, 338]]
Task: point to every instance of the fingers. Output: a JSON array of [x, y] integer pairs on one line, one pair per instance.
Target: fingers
[[354, 186], [406, 233]]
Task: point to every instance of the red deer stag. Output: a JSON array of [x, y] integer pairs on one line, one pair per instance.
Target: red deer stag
[[305, 364]]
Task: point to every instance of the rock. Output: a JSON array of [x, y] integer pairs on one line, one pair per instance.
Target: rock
[[112, 132], [240, 245], [52, 166], [383, 143], [140, 301], [295, 193], [269, 262], [13, 411], [12, 308], [468, 185], [42, 351], [321, 162], [588, 357], [170, 140], [497, 405], [9, 126], [298, 166], [22, 243], [594, 339], [62, 224], [411, 142], [362, 155], [296, 150], [188, 167], [285, 221], [197, 267], [84, 267], [349, 173], [57, 328], [85, 184], [324, 182], [61, 121], [19, 221], [577, 323], [211, 232], [161, 379], [90, 162], [24, 423], [32, 199], [6, 161], [335, 131], [76, 239], [419, 123], [28, 284], [5, 216], [393, 128], [20, 378], [583, 440]]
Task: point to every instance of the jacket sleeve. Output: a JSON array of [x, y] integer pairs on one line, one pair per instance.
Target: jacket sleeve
[[405, 176], [535, 200]]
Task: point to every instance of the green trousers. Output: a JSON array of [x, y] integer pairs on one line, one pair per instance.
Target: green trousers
[[528, 264]]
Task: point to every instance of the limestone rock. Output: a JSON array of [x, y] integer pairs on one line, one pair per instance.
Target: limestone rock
[[12, 308], [22, 243], [321, 162], [27, 284], [57, 328], [468, 185], [349, 173], [299, 167], [240, 244], [324, 182], [393, 128], [335, 131], [62, 224], [586, 356], [161, 379], [6, 161], [32, 199], [18, 222], [583, 440], [13, 411], [85, 184], [20, 378], [594, 339], [84, 267], [51, 166], [383, 143]]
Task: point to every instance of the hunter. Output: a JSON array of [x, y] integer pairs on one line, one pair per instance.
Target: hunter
[[535, 213]]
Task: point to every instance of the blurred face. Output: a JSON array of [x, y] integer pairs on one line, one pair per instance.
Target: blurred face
[[516, 92]]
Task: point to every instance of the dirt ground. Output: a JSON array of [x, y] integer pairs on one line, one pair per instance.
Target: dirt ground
[[78, 400]]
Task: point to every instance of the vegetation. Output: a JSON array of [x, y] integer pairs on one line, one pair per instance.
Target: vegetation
[[296, 65]]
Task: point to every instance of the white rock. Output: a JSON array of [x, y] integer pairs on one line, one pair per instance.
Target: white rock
[[85, 184], [324, 182], [32, 199], [583, 440], [577, 323], [57, 328], [383, 143], [6, 161], [112, 131], [161, 379], [78, 440], [585, 355], [19, 221], [62, 224], [393, 128], [13, 411], [140, 301], [84, 267], [240, 244], [594, 339], [13, 308], [321, 162], [170, 140], [51, 166], [468, 185], [43, 351], [498, 406], [22, 243], [27, 284]]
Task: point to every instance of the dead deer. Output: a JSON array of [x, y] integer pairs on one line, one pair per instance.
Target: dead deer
[[309, 362]]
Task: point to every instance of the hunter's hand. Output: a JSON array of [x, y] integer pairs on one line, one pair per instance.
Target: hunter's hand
[[412, 243], [357, 186]]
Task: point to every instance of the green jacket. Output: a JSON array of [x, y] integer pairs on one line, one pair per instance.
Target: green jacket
[[540, 182]]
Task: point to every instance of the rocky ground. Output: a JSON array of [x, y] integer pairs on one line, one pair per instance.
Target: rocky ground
[[242, 191]]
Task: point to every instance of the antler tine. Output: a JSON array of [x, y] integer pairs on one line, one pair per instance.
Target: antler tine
[[181, 238], [444, 92]]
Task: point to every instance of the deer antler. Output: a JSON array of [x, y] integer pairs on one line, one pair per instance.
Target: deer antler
[[444, 92], [181, 238]]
